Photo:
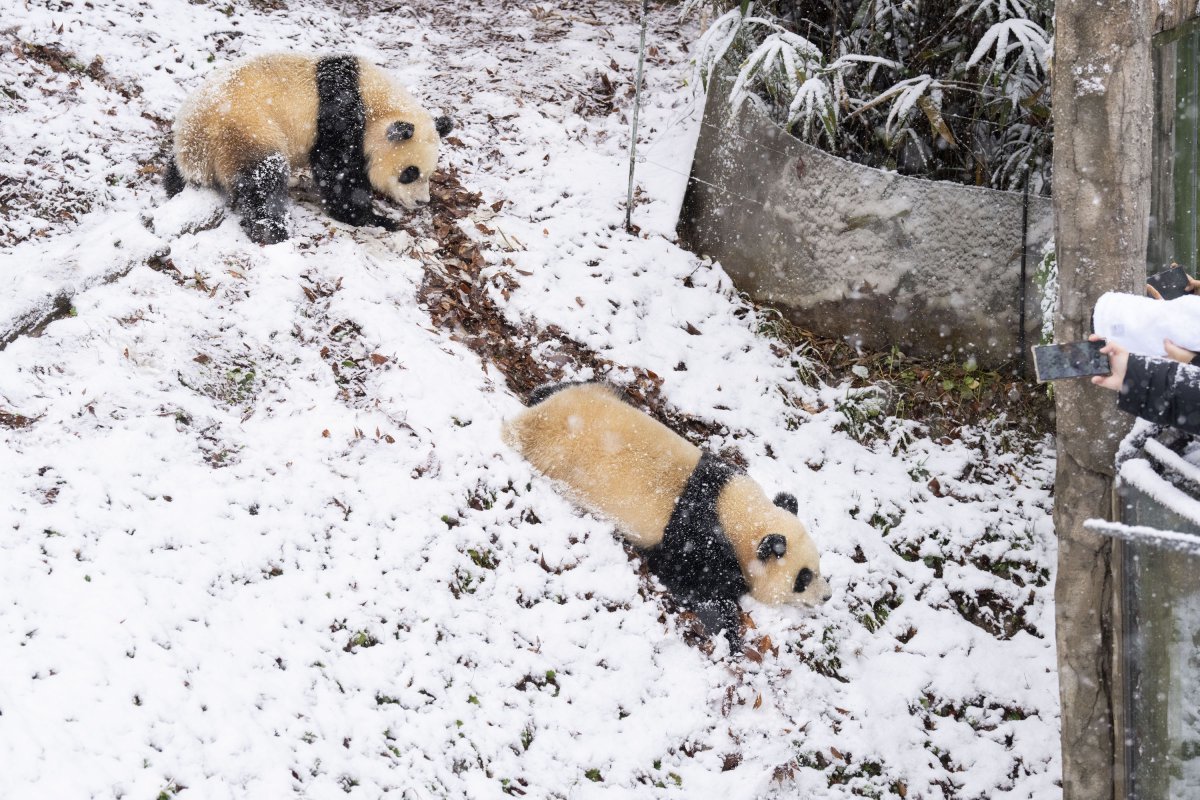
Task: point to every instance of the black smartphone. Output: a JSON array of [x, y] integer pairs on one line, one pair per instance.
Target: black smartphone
[[1052, 362], [1170, 283]]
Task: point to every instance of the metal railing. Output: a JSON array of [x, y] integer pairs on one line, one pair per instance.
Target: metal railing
[[1158, 635]]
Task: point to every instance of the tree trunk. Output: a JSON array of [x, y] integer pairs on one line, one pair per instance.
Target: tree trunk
[[1103, 119]]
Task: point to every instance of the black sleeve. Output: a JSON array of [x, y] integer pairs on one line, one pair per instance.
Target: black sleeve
[[1162, 391]]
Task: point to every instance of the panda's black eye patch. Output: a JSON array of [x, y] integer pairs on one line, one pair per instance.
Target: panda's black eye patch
[[803, 580], [410, 174], [772, 546], [400, 131]]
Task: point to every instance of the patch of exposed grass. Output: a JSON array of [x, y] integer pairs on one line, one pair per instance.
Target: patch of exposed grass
[[942, 394]]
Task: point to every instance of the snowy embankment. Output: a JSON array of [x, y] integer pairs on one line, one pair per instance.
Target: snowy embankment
[[261, 538]]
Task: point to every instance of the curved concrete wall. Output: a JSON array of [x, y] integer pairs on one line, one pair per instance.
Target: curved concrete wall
[[850, 251]]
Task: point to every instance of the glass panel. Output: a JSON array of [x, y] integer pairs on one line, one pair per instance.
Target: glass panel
[[1161, 625], [1160, 589], [1174, 223]]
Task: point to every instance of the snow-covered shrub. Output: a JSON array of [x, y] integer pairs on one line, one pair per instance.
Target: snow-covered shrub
[[947, 89], [1045, 275]]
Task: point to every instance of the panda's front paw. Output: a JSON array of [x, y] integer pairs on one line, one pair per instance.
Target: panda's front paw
[[719, 614], [266, 231], [380, 221]]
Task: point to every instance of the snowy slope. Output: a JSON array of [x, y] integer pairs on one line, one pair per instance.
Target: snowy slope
[[260, 536]]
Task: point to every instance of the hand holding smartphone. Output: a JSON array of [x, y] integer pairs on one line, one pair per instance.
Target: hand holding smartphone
[[1053, 362], [1170, 283]]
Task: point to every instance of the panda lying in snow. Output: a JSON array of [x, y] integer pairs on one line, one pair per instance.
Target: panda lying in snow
[[246, 128], [706, 529]]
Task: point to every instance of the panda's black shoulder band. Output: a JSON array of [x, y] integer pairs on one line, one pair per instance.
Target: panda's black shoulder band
[[547, 390], [695, 559], [705, 483], [338, 160]]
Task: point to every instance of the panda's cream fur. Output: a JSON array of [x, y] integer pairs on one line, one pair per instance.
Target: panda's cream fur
[[266, 117], [245, 112], [622, 463]]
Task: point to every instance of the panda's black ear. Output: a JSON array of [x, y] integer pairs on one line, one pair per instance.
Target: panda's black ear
[[399, 131], [773, 545], [787, 502], [443, 125]]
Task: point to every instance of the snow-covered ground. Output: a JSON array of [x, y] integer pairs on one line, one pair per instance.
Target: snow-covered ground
[[259, 536]]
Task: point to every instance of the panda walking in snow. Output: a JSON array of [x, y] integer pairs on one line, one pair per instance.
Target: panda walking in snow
[[246, 129], [706, 529]]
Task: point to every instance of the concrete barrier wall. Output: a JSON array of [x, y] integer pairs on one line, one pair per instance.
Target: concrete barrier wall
[[850, 251]]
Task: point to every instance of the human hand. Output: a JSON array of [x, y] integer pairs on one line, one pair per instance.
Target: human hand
[[1178, 353], [1193, 287], [1118, 360]]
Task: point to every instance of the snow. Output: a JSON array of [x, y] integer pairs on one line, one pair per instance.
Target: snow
[[261, 537], [1168, 458], [103, 249], [1139, 473], [1188, 543]]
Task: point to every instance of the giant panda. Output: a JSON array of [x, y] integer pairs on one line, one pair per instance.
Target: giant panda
[[706, 529], [247, 128]]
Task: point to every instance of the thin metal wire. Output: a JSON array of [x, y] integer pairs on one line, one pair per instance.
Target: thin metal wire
[[741, 197], [729, 131], [947, 261], [1024, 265], [936, 264]]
